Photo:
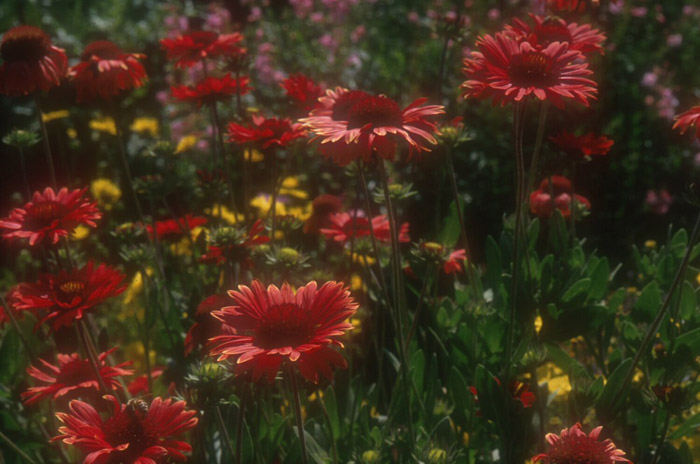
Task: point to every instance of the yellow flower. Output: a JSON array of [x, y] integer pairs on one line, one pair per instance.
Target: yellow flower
[[81, 232], [361, 258], [290, 187], [437, 456], [221, 211], [356, 283], [106, 192], [184, 246], [371, 457], [465, 438], [186, 143], [697, 279], [555, 378], [53, 115], [72, 133], [253, 155], [145, 125], [263, 203], [538, 325], [315, 395], [651, 244], [105, 124]]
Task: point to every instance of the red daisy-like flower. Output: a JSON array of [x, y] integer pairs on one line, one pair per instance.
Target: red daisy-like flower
[[542, 205], [239, 246], [270, 132], [172, 229], [105, 71], [573, 445], [134, 432], [436, 253], [455, 261], [192, 48], [205, 325], [508, 70], [67, 295], [139, 385], [30, 62], [581, 146], [354, 124], [51, 215], [546, 30], [212, 90], [343, 228], [269, 326], [689, 120], [302, 90], [73, 377]]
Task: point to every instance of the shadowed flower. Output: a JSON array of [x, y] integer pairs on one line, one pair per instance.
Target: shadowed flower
[[66, 296], [581, 146], [546, 30], [321, 209], [689, 120], [542, 205], [134, 432], [50, 216], [234, 243], [573, 445], [270, 326], [30, 62], [342, 228], [266, 133], [192, 48], [105, 71], [508, 70], [73, 377], [171, 229], [139, 385], [212, 89], [302, 90], [205, 325], [354, 124]]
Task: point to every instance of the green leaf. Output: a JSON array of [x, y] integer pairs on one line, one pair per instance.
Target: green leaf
[[689, 302], [331, 405], [490, 397], [493, 263], [599, 280], [316, 452], [649, 300], [577, 289], [418, 370], [678, 243], [449, 234], [612, 398]]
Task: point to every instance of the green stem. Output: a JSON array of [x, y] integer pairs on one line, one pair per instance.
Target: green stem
[[23, 166], [92, 354], [47, 147], [222, 430], [538, 146], [662, 439], [419, 307], [334, 446], [15, 448], [127, 169], [15, 324], [240, 424], [224, 156], [297, 414]]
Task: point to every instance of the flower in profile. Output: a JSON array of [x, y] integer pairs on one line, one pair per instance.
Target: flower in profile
[[582, 146], [205, 325], [73, 377], [302, 90], [451, 261], [50, 216], [689, 120], [30, 62], [573, 445], [234, 243], [344, 226], [269, 326], [546, 30], [66, 296], [105, 71], [106, 192], [355, 124], [266, 132], [171, 229], [557, 194], [192, 48], [509, 70], [212, 89], [135, 432]]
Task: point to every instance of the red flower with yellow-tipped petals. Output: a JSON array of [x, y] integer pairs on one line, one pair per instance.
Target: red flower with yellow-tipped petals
[[573, 445]]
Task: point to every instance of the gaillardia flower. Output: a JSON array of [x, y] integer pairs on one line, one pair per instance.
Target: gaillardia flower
[[212, 89], [50, 216], [344, 226], [582, 146], [234, 243], [170, 229], [354, 124], [66, 296], [559, 194], [192, 48], [266, 327], [205, 325], [73, 377], [30, 62], [135, 432], [689, 120], [105, 71], [509, 70], [302, 90], [266, 133], [546, 30], [573, 445]]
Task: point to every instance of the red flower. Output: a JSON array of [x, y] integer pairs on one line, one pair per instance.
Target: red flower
[[269, 326], [342, 228], [454, 262], [68, 295], [322, 207], [140, 384], [174, 229], [74, 377], [212, 90], [355, 124], [239, 246], [550, 29], [266, 132], [134, 433], [192, 48], [519, 391], [205, 325], [105, 71], [573, 445], [542, 206], [582, 146], [50, 216], [689, 120], [304, 91], [29, 62], [508, 70]]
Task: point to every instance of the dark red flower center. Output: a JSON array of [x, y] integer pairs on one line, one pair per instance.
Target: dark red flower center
[[203, 38], [284, 325], [129, 426], [75, 372], [533, 69], [68, 290], [553, 29], [102, 49], [342, 105], [378, 111], [43, 214], [578, 450], [24, 43]]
